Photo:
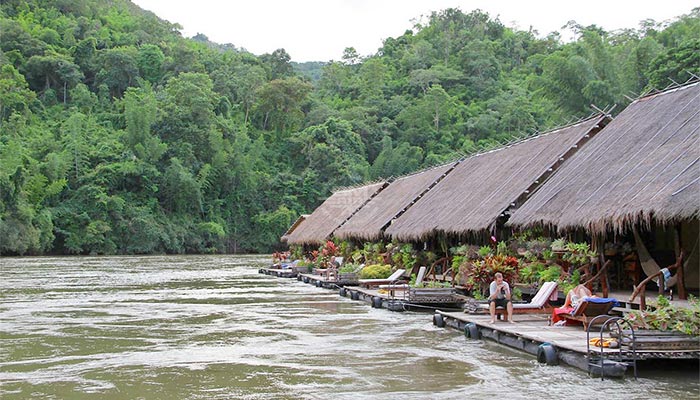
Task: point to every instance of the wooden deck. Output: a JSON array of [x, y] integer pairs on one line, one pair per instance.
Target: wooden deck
[[394, 300], [569, 342], [279, 272]]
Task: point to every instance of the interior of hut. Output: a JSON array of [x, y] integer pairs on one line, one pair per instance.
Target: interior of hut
[[659, 247], [638, 257]]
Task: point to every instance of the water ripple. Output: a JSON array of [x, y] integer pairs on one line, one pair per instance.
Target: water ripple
[[211, 327]]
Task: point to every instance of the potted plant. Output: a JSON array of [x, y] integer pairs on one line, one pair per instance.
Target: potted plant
[[559, 245], [432, 292], [348, 273]]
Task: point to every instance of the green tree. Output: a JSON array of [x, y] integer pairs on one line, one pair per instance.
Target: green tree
[[278, 64], [396, 161], [140, 112], [119, 69], [15, 97], [53, 72], [150, 62], [280, 103], [675, 64], [188, 115], [334, 152]]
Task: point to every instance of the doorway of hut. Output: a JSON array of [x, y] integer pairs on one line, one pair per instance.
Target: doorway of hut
[[651, 255]]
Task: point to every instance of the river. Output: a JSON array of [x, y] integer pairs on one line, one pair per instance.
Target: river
[[211, 327]]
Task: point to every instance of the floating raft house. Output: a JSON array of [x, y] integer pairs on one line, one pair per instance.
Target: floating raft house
[[484, 187], [327, 217]]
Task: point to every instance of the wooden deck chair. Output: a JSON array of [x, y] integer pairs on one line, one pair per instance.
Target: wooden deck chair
[[589, 308], [394, 278], [538, 304], [404, 286]]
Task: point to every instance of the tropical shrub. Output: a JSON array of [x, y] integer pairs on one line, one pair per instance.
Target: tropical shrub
[[550, 274], [666, 317], [548, 255], [516, 293], [502, 249], [296, 252], [484, 251], [434, 284], [578, 254], [373, 253], [403, 255], [476, 276], [376, 271], [347, 268], [530, 273], [559, 244], [538, 246]]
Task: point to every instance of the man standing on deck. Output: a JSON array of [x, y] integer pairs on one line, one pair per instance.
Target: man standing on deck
[[499, 296]]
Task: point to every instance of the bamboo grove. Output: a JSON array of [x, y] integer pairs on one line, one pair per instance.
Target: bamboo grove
[[120, 136]]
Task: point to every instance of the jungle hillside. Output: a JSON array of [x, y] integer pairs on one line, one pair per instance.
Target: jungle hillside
[[120, 136]]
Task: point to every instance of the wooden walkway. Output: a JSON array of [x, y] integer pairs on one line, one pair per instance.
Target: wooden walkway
[[394, 300], [530, 332], [569, 343], [279, 272]]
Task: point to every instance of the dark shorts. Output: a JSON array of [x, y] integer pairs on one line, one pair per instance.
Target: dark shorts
[[500, 302]]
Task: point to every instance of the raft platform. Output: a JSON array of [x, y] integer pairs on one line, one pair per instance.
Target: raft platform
[[393, 300], [530, 333], [324, 282], [564, 344], [279, 272]]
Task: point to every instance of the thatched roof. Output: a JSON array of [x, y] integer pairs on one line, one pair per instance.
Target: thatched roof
[[645, 164], [320, 224], [368, 223], [294, 226], [473, 196]]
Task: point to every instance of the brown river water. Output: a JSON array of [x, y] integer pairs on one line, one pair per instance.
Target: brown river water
[[211, 327]]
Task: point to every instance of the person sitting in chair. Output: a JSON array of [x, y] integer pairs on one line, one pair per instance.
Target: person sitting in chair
[[572, 298], [499, 296], [332, 268]]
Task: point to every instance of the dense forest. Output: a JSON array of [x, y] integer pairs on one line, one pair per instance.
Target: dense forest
[[118, 135]]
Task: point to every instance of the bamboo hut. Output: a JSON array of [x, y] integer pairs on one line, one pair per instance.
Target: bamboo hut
[[371, 220], [641, 171], [327, 217], [482, 188], [643, 165], [294, 226]]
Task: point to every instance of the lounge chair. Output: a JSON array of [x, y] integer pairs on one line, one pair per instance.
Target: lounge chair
[[404, 286], [538, 304], [369, 283], [589, 308]]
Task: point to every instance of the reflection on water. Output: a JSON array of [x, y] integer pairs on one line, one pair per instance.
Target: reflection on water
[[211, 327]]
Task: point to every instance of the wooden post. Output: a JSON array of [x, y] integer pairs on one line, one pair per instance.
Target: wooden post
[[680, 281], [599, 247]]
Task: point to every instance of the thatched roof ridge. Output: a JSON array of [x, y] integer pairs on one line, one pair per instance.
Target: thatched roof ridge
[[294, 226], [368, 223], [327, 217], [644, 165], [482, 187]]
